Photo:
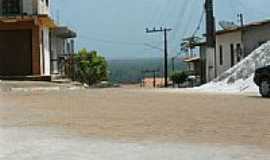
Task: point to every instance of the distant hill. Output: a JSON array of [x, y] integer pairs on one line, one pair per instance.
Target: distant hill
[[130, 70]]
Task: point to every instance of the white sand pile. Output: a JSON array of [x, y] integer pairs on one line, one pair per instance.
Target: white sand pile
[[240, 77]]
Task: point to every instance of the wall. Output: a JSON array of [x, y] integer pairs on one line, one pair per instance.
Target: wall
[[203, 63], [46, 51], [57, 49], [43, 8], [225, 40], [35, 41], [210, 68], [255, 36]]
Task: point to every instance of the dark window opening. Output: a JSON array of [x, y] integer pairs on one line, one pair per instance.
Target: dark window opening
[[12, 7], [239, 52], [232, 55], [221, 55]]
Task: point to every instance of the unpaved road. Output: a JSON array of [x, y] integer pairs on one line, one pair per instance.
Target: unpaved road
[[134, 115]]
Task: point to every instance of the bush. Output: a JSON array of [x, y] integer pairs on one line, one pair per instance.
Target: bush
[[91, 68], [179, 77]]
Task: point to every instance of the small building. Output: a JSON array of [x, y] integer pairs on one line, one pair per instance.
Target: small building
[[194, 70], [153, 82], [62, 47], [193, 66], [232, 45], [27, 41]]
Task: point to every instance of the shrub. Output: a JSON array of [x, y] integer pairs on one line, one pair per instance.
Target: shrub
[[179, 77], [91, 68]]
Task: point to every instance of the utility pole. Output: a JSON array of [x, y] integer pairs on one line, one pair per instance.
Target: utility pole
[[210, 40], [165, 31], [241, 19], [210, 23]]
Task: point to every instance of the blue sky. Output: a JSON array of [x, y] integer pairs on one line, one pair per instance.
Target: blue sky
[[117, 28]]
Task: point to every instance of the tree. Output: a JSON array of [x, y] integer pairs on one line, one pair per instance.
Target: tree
[[179, 77], [91, 68]]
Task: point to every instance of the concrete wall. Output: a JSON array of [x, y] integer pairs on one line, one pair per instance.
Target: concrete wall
[[46, 51], [203, 63], [57, 49], [43, 8], [254, 37], [210, 64], [226, 40]]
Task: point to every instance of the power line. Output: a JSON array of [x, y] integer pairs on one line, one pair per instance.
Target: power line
[[184, 18], [163, 12], [153, 47], [182, 14], [251, 9], [199, 24], [112, 41]]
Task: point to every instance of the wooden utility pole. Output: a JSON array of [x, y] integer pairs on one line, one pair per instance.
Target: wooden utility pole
[[211, 38], [210, 24], [165, 31]]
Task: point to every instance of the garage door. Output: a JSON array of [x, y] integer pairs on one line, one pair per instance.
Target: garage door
[[15, 53]]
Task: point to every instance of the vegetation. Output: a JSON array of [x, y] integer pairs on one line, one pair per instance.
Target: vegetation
[[179, 77], [130, 71], [91, 68]]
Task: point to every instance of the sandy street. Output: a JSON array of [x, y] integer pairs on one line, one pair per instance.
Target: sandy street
[[134, 124]]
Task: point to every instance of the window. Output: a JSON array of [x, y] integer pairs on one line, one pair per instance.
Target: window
[[220, 55], [11, 7], [47, 3], [239, 52], [232, 55]]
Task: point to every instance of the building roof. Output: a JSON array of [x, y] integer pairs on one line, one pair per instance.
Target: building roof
[[247, 26], [43, 20], [193, 59], [65, 32]]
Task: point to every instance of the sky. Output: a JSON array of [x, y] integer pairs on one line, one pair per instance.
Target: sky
[[116, 28]]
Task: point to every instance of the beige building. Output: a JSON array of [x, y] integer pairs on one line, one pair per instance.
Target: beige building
[[232, 45], [31, 42]]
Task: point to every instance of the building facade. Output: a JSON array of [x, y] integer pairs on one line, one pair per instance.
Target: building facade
[[232, 46], [62, 47], [26, 38], [24, 7]]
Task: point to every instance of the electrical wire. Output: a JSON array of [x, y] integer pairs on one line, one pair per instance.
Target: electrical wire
[[113, 42], [199, 24]]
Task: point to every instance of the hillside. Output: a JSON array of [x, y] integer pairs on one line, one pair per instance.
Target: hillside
[[130, 70]]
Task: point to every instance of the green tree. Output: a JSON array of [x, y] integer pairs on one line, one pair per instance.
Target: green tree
[[179, 77], [91, 68]]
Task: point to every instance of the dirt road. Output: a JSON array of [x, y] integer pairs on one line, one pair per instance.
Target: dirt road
[[131, 114]]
